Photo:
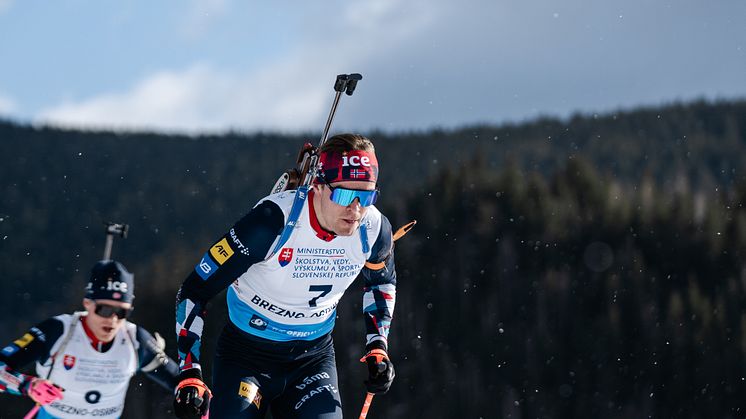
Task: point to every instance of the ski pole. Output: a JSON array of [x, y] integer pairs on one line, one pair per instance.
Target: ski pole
[[344, 83], [112, 229], [31, 413], [366, 405]]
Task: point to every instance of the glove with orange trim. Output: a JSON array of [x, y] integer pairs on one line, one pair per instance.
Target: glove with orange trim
[[380, 369], [192, 399]]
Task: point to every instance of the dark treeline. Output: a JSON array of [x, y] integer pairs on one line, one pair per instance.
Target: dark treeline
[[568, 297], [583, 268]]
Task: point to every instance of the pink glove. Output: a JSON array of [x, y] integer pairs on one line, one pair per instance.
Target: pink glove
[[43, 391]]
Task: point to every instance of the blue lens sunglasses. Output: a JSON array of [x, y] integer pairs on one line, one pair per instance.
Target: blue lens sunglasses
[[343, 196]]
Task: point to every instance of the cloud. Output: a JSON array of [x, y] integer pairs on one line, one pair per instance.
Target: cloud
[[7, 105], [425, 63], [487, 61], [291, 93], [196, 99]]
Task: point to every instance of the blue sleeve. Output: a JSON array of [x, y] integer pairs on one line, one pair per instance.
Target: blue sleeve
[[244, 245]]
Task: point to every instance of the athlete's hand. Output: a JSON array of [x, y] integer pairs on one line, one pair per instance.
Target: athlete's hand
[[192, 398], [380, 369], [42, 391]]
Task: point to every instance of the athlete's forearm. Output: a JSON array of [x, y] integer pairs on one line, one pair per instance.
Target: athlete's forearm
[[154, 362], [378, 303], [210, 276], [379, 299], [189, 324], [166, 375], [379, 293], [12, 382]]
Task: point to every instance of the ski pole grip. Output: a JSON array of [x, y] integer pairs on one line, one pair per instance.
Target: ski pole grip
[[341, 84], [352, 83], [347, 83]]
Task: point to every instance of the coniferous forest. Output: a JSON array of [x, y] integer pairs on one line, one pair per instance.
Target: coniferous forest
[[584, 267]]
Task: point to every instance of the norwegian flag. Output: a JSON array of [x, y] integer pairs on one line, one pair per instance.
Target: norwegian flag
[[68, 361], [358, 174], [286, 256]]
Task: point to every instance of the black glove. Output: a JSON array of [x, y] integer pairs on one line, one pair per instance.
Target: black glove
[[380, 369], [192, 397]]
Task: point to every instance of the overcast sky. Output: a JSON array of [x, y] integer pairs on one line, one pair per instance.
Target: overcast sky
[[215, 65]]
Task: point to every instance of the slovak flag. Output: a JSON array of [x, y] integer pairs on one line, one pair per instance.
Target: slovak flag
[[68, 361], [286, 256]]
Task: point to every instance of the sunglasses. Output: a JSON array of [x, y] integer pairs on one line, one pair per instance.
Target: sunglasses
[[105, 310], [345, 197]]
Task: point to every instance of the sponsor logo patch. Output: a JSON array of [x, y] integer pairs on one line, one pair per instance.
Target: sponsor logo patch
[[355, 161], [38, 333], [250, 392], [206, 267], [24, 340], [286, 256], [112, 285], [68, 361], [257, 322], [10, 350], [221, 251], [237, 242]]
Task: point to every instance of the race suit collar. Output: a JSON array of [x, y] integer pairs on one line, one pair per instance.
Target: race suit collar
[[324, 235], [98, 345]]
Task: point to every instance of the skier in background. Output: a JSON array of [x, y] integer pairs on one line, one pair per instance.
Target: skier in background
[[286, 265], [84, 361]]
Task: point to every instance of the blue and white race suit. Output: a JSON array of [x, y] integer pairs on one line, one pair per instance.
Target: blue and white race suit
[[285, 299]]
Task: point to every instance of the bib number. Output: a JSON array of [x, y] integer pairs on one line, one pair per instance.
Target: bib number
[[93, 397], [324, 289]]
